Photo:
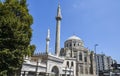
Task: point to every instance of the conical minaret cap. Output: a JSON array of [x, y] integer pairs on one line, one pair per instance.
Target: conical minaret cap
[[48, 35], [47, 41], [59, 16]]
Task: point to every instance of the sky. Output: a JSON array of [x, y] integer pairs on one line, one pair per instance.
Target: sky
[[94, 21]]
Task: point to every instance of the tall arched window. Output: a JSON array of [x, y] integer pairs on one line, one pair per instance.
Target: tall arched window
[[74, 44], [68, 64], [75, 54], [80, 56], [70, 45], [85, 56], [67, 45], [72, 64], [55, 70]]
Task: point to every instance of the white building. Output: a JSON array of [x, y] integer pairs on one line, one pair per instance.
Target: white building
[[72, 60], [104, 62]]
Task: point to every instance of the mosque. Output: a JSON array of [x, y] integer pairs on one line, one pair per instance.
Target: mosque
[[72, 60]]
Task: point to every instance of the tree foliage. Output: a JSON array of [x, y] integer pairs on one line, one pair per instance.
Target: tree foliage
[[15, 35]]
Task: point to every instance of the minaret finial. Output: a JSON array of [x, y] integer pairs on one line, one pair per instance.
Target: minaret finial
[[48, 34], [59, 16], [47, 41]]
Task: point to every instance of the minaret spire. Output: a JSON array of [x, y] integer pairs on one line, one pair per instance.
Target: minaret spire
[[47, 41], [58, 22], [59, 16]]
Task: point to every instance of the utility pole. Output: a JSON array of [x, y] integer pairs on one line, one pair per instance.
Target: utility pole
[[97, 73]]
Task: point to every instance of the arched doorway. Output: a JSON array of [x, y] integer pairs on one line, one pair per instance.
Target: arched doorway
[[55, 71]]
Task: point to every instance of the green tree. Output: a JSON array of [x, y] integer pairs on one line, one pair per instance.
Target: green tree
[[15, 36]]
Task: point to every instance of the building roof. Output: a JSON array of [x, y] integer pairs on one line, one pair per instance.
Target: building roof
[[74, 37]]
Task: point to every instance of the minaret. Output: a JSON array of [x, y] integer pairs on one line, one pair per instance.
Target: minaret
[[47, 41], [58, 22]]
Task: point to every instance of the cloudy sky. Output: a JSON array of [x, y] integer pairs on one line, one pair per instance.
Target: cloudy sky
[[94, 21]]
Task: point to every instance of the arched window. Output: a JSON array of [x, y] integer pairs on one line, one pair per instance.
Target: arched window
[[68, 64], [80, 56], [85, 56], [74, 44], [55, 70], [70, 45], [75, 54], [67, 45], [72, 64]]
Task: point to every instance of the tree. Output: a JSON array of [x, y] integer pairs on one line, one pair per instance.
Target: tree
[[15, 36]]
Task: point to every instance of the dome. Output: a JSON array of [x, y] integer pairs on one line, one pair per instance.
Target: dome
[[73, 38]]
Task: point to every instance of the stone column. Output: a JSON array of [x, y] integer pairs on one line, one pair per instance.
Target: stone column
[[82, 56], [26, 73], [88, 62], [83, 68], [37, 74], [22, 73], [77, 69], [78, 56], [94, 64]]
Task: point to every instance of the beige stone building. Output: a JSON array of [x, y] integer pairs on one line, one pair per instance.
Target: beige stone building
[[84, 58], [72, 60]]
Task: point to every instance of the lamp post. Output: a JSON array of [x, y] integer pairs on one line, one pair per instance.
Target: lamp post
[[96, 59], [95, 47]]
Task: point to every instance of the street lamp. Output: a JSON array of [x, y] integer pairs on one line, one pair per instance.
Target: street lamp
[[95, 47], [96, 58]]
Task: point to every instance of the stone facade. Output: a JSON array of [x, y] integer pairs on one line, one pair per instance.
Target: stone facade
[[74, 48], [53, 65], [74, 60]]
